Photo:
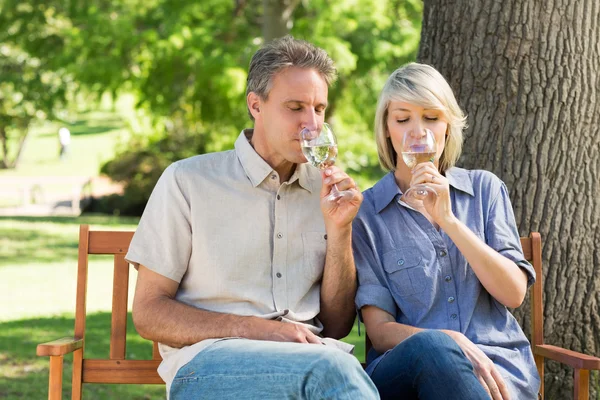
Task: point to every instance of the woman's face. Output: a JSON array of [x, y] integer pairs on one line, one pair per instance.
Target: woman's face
[[403, 117]]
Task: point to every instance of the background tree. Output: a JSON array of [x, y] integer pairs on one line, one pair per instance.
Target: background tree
[[186, 64], [31, 88], [527, 74]]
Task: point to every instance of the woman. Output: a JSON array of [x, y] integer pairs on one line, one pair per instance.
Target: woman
[[435, 282]]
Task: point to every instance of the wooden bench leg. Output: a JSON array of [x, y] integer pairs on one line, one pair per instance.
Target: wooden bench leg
[[55, 380], [77, 374], [581, 384], [539, 362]]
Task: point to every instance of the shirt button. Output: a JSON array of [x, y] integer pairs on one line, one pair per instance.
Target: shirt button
[[273, 176], [279, 274], [401, 262], [279, 235], [450, 299], [443, 253], [278, 197], [453, 316], [448, 278], [325, 237]]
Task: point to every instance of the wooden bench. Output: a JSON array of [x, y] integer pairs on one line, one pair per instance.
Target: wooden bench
[[117, 369]]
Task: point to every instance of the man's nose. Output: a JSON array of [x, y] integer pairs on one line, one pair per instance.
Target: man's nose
[[310, 121]]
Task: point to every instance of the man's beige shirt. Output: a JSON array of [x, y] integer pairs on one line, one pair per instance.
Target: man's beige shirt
[[237, 240]]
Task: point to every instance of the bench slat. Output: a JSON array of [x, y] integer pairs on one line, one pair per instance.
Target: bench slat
[[109, 242], [121, 371], [118, 326]]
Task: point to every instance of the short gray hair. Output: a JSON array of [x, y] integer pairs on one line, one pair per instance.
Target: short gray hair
[[283, 53], [422, 85]]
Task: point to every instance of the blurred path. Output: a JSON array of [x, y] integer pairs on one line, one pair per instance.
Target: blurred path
[[51, 195]]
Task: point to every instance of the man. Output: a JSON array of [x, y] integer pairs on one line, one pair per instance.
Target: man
[[243, 262]]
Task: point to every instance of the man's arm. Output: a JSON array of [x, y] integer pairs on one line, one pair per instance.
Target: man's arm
[[159, 317], [338, 286]]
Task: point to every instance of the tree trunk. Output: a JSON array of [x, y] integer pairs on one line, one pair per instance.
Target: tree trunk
[[527, 74], [4, 146], [277, 18]]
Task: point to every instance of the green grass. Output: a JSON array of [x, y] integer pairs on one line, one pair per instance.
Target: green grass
[[94, 134], [38, 271], [93, 138]]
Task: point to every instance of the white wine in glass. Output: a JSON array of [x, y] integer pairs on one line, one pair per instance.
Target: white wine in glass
[[418, 147], [320, 149], [320, 156]]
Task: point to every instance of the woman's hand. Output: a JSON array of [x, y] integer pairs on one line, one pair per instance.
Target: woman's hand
[[438, 207], [484, 368]]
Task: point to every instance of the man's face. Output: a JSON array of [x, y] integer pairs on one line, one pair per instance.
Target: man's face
[[297, 100]]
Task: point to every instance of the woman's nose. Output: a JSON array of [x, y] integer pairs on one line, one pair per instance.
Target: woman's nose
[[417, 131]]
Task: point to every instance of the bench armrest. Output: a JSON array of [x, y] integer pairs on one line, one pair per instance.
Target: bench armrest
[[59, 347], [567, 357]]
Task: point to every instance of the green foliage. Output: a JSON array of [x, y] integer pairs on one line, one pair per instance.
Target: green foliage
[[186, 64], [28, 93]]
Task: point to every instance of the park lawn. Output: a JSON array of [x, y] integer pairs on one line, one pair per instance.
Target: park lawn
[[38, 271], [94, 135]]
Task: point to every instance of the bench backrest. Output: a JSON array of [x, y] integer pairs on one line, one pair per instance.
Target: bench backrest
[[115, 369]]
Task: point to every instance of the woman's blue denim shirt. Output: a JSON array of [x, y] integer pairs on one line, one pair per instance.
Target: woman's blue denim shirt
[[415, 272]]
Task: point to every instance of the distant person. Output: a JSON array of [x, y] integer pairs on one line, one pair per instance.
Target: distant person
[[438, 271], [64, 139], [245, 269]]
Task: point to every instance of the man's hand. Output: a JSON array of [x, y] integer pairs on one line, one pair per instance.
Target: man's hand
[[484, 368], [342, 211], [290, 332]]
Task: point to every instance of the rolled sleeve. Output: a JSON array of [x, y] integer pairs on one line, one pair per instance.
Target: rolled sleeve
[[371, 291], [162, 241], [502, 234]]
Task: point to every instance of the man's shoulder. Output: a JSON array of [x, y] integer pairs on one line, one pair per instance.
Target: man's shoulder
[[208, 163]]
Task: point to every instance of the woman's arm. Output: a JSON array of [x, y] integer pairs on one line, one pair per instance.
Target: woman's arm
[[501, 277], [385, 333]]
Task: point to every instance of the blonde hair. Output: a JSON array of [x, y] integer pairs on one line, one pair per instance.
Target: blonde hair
[[421, 85]]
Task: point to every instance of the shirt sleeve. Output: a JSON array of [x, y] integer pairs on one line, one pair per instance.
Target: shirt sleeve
[[371, 291], [502, 234], [162, 241]]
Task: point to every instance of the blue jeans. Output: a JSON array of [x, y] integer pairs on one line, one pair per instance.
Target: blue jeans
[[428, 366], [254, 369]]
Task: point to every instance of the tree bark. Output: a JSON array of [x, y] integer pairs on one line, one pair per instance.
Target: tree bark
[[527, 73], [277, 18], [4, 147]]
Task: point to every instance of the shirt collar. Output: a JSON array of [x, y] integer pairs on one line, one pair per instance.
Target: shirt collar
[[386, 189], [460, 179], [257, 169]]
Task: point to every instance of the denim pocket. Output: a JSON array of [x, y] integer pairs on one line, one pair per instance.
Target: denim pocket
[[404, 268]]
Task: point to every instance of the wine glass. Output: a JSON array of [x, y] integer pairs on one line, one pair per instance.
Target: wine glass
[[418, 147], [320, 149]]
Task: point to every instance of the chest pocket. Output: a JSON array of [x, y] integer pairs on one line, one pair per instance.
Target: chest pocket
[[314, 248], [405, 271]]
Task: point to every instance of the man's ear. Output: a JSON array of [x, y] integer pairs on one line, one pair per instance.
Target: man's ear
[[254, 103]]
